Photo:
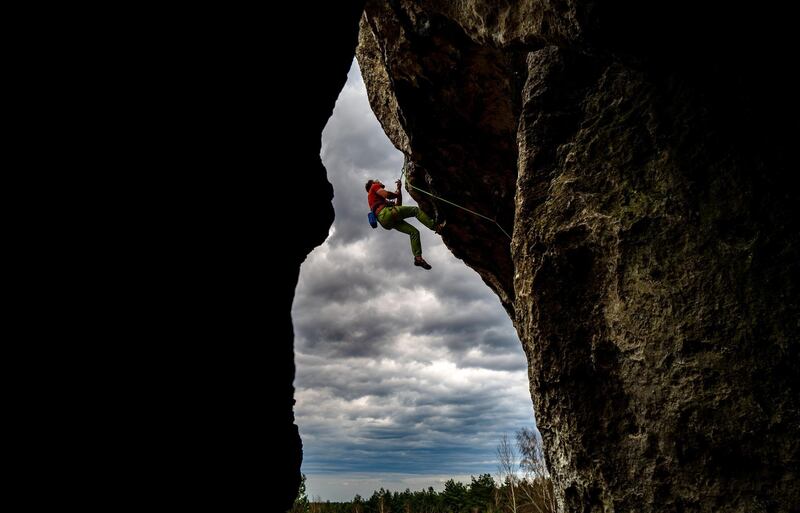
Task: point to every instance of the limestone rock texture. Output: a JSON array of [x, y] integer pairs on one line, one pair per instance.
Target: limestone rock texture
[[640, 158]]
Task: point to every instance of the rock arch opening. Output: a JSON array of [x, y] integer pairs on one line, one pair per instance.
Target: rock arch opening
[[652, 276], [405, 378]]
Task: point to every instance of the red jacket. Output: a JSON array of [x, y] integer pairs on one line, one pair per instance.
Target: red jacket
[[376, 201]]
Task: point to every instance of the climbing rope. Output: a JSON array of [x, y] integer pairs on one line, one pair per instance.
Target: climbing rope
[[455, 205]]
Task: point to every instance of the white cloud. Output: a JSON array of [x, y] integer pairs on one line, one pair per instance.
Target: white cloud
[[405, 378]]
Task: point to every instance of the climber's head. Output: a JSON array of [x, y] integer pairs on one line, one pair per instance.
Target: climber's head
[[370, 183]]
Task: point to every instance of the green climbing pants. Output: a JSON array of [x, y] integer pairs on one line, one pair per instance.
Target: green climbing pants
[[392, 218]]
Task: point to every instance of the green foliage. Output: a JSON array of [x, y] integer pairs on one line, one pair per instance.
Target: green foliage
[[455, 496], [483, 495], [301, 504]]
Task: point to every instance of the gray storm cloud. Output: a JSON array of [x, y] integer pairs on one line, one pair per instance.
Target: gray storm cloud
[[403, 375]]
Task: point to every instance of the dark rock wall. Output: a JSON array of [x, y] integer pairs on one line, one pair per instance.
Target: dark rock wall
[[641, 155], [316, 72], [199, 192], [654, 290], [457, 126]]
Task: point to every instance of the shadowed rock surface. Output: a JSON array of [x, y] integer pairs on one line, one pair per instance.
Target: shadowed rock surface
[[317, 71], [640, 155]]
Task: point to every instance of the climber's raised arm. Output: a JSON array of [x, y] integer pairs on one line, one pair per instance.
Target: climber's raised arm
[[399, 194]]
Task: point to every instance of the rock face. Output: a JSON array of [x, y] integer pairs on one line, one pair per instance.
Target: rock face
[[653, 271], [329, 40], [457, 126]]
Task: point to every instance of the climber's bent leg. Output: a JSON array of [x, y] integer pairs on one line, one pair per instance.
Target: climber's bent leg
[[406, 212], [402, 226]]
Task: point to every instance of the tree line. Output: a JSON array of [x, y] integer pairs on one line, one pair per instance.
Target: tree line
[[523, 486]]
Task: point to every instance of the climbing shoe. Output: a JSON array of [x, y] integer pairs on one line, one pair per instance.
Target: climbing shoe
[[421, 262]]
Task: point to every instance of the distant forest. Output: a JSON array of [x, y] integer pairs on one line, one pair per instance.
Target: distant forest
[[524, 487]]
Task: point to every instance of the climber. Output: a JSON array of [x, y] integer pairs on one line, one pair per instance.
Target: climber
[[388, 207]]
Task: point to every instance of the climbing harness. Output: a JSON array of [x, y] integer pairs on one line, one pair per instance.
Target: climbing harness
[[408, 184]]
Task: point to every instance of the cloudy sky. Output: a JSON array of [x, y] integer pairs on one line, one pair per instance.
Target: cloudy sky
[[405, 377]]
